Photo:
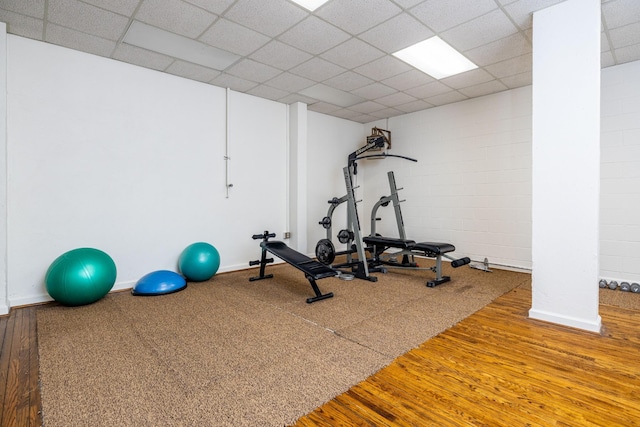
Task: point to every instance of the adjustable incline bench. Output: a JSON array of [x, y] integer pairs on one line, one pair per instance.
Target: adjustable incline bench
[[312, 269], [408, 248]]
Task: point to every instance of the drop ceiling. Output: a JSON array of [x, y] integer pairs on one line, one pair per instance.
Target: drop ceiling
[[289, 54]]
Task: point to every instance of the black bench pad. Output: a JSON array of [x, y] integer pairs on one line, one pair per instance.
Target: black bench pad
[[433, 247], [391, 242], [308, 266]]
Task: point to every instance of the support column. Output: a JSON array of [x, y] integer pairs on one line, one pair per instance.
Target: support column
[[566, 164], [4, 288], [298, 176]]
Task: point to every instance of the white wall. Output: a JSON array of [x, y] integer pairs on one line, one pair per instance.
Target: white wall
[[130, 161], [472, 183], [620, 173]]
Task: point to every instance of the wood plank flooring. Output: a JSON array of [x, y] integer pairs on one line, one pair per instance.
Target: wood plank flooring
[[499, 368], [495, 368], [19, 388]]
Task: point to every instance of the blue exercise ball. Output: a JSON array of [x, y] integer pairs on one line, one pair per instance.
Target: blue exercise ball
[[199, 262], [159, 283], [80, 276]]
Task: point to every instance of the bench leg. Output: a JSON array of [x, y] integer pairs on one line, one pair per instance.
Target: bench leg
[[319, 295], [440, 279], [263, 265]]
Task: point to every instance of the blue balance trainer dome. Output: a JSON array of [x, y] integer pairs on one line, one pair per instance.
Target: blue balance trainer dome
[[80, 276], [199, 261], [159, 283]]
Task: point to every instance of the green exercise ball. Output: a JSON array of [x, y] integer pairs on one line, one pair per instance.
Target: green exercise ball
[[80, 276], [199, 262]]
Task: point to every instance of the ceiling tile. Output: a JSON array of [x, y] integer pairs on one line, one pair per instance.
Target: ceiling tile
[[406, 4], [386, 113], [411, 107], [517, 80], [394, 99], [440, 15], [323, 107], [123, 7], [214, 6], [317, 69], [33, 8], [271, 17], [233, 82], [397, 33], [290, 82], [625, 36], [346, 113], [294, 97], [468, 78], [280, 55], [627, 53], [268, 92], [364, 118], [22, 25], [352, 53], [374, 90], [383, 68], [75, 40], [251, 70], [521, 11], [479, 31], [410, 79], [314, 36], [483, 89], [144, 58], [234, 38], [356, 16], [367, 107], [192, 71], [87, 19], [175, 16], [513, 46], [620, 12], [348, 81], [446, 98], [510, 67], [428, 90], [606, 59]]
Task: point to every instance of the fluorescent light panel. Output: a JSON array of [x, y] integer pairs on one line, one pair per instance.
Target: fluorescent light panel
[[436, 58], [310, 4], [331, 95], [167, 43]]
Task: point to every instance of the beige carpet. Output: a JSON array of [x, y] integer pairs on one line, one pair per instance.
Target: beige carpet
[[229, 352]]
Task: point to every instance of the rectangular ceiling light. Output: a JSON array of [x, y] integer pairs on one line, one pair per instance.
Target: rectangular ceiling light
[[310, 4], [331, 95], [436, 58], [171, 44]]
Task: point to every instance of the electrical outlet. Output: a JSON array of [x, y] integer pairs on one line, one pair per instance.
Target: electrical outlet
[[287, 234]]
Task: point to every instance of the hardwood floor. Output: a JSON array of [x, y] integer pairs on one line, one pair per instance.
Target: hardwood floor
[[19, 387], [494, 368], [498, 368]]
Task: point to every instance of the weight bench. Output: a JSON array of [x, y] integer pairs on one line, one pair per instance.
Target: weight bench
[[312, 269], [380, 244]]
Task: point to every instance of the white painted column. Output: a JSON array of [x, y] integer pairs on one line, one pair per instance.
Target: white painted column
[[4, 300], [566, 164], [298, 176]]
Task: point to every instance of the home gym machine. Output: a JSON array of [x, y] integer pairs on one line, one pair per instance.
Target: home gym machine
[[408, 249], [361, 267]]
